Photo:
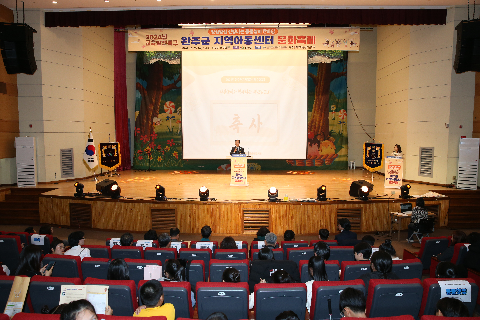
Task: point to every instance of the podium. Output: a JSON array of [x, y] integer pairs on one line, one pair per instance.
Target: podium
[[238, 170], [393, 172]]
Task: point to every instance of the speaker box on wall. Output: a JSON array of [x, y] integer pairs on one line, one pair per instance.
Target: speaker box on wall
[[16, 43], [356, 185], [467, 57]]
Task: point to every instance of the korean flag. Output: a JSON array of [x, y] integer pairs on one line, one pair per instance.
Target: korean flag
[[90, 155]]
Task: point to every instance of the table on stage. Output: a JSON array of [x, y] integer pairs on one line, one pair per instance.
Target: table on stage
[[397, 217]]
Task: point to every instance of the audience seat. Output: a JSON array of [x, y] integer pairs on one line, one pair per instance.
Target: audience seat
[[254, 245], [5, 287], [329, 242], [432, 293], [95, 268], [430, 246], [231, 254], [342, 253], [273, 298], [292, 244], [176, 293], [99, 251], [65, 266], [198, 245], [447, 318], [323, 291], [136, 268], [45, 291], [24, 237], [127, 252], [297, 254], [277, 254], [388, 298], [197, 254], [217, 267], [10, 248], [459, 253], [331, 267], [122, 295], [476, 277], [38, 316], [407, 269], [229, 298], [196, 273], [161, 254], [352, 270], [46, 243]]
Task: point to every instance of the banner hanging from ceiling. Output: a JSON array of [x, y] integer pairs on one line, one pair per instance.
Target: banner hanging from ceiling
[[345, 39]]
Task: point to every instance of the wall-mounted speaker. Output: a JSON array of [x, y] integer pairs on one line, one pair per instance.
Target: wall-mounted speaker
[[467, 57], [16, 43]]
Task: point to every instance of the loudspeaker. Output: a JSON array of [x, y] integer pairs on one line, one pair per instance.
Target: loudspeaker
[[16, 43], [467, 57], [356, 185]]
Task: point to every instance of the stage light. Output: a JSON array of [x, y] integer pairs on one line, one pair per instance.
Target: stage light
[[203, 192], [160, 193], [272, 194], [78, 190], [363, 193], [405, 191], [322, 193], [109, 188]]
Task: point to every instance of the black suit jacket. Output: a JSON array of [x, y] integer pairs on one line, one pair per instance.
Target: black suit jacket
[[344, 237], [240, 150], [262, 269]]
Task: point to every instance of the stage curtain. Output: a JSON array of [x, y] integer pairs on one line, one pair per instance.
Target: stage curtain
[[120, 99], [170, 18]]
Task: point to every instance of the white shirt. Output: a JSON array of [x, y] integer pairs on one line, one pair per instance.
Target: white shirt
[[309, 285], [78, 251]]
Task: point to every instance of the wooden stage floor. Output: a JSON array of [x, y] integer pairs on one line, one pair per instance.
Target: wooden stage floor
[[183, 185]]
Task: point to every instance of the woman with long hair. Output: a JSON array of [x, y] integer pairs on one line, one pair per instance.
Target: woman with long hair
[[175, 272], [418, 213], [381, 267], [30, 264], [118, 270], [317, 272], [388, 248]]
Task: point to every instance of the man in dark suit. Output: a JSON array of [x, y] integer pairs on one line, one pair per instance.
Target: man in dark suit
[[345, 237], [237, 149], [263, 268]]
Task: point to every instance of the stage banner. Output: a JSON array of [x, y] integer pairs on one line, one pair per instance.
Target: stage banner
[[393, 172], [373, 156], [110, 157], [345, 39]]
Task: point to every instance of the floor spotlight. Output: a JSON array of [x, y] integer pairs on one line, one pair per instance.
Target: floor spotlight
[[78, 190], [363, 192], [160, 193], [322, 193], [356, 189], [405, 191], [272, 194], [203, 192], [109, 188]]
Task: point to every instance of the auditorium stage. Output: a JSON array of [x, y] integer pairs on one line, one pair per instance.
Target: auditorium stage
[[237, 210]]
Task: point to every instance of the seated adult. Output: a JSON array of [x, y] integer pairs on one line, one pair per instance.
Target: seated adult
[[369, 239], [164, 240], [418, 213], [46, 229], [217, 316], [228, 243], [30, 230], [451, 307], [261, 233], [126, 239], [174, 271], [30, 264], [289, 235], [271, 240], [317, 272], [323, 234], [231, 275], [81, 310], [352, 303], [206, 232], [472, 258], [381, 267], [388, 248], [152, 296], [266, 265], [57, 246], [118, 270], [175, 234], [287, 315], [150, 235], [457, 237], [362, 251], [322, 250], [345, 236], [76, 240]]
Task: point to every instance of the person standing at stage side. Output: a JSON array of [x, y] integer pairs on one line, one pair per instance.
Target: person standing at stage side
[[418, 213], [323, 234], [76, 240], [126, 239], [237, 149], [345, 234], [175, 234], [164, 240], [206, 232]]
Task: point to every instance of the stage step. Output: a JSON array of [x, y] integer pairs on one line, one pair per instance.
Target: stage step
[[13, 216], [464, 206]]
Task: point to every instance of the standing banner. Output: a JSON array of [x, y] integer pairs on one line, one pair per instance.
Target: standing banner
[[345, 39], [238, 171], [110, 157], [373, 156], [393, 172]]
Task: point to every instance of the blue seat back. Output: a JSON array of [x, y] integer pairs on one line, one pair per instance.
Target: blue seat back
[[341, 253], [159, 254], [302, 254], [217, 269], [45, 294], [5, 287], [270, 302], [9, 254], [95, 269], [396, 299], [66, 268], [432, 248], [332, 272], [407, 269], [434, 294], [232, 301]]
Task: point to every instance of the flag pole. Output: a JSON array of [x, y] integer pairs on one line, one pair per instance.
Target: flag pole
[[94, 175]]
